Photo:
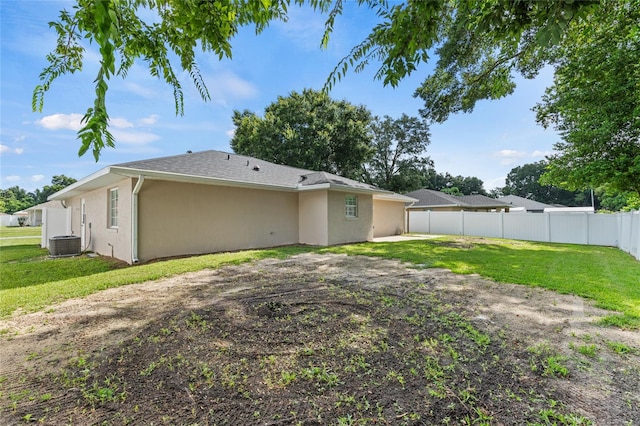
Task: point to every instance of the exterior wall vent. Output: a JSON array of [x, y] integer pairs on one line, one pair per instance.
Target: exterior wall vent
[[64, 245]]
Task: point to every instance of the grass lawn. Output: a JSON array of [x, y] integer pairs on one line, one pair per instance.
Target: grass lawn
[[20, 231], [603, 274], [16, 235], [30, 281]]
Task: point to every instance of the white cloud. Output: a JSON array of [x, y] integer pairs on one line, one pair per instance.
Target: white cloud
[[509, 157], [492, 183], [12, 178], [134, 138], [120, 123], [61, 121], [148, 121], [231, 132], [304, 27], [19, 138], [541, 154], [142, 91], [227, 86], [37, 178], [7, 150]]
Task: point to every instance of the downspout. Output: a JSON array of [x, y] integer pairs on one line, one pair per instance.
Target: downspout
[[134, 220], [407, 212]]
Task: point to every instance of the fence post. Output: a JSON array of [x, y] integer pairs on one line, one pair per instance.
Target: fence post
[[501, 224], [406, 220], [547, 224], [636, 215], [619, 223], [462, 222], [43, 232], [586, 228]]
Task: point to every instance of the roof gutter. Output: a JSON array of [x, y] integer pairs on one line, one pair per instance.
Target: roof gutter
[[134, 219], [63, 193]]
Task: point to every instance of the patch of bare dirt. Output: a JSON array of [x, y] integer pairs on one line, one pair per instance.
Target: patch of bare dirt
[[319, 339]]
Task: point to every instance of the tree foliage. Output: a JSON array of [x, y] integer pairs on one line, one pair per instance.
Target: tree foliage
[[524, 181], [15, 199], [307, 130], [479, 45], [399, 163], [621, 201], [594, 103], [58, 182], [456, 185], [154, 31]]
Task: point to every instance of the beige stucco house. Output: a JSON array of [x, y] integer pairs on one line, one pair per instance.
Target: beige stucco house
[[215, 201]]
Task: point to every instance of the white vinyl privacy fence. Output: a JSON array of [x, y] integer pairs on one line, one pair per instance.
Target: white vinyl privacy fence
[[620, 230], [55, 222]]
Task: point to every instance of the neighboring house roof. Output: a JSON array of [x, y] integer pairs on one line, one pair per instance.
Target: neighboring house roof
[[529, 205], [53, 204], [222, 168], [428, 198]]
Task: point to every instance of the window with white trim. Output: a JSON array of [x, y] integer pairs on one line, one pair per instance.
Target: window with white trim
[[351, 206], [113, 208]]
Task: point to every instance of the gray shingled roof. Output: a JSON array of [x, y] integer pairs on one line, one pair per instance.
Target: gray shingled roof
[[53, 204], [529, 205], [239, 168], [478, 200], [222, 168], [431, 198]]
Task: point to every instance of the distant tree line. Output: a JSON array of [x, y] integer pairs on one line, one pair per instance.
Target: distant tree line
[[15, 199], [528, 181], [310, 130]]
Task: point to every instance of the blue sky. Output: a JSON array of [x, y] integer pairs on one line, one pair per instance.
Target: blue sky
[[487, 143]]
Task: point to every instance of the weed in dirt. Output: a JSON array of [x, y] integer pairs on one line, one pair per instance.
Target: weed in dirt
[[621, 348], [551, 417], [547, 363], [590, 351]]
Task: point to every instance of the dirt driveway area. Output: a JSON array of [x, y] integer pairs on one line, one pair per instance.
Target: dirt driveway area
[[319, 339]]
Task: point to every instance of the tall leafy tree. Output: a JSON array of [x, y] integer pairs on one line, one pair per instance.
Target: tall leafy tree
[[480, 45], [621, 201], [464, 185], [15, 199], [399, 162], [58, 182], [307, 130], [594, 103], [524, 181]]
